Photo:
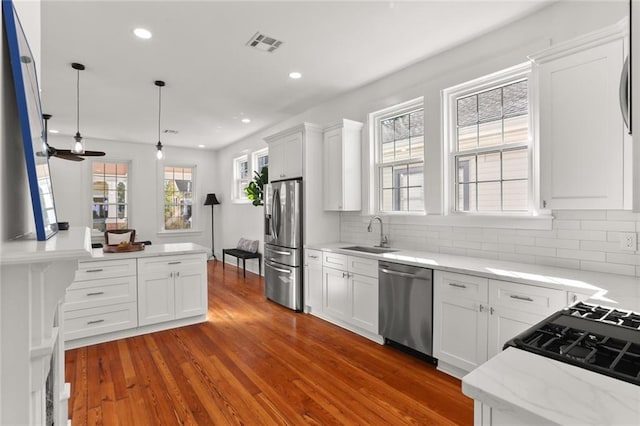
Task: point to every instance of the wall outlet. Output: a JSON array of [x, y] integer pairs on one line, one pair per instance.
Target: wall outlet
[[628, 241]]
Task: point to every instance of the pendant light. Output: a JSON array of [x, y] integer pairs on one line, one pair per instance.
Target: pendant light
[[78, 146], [160, 84]]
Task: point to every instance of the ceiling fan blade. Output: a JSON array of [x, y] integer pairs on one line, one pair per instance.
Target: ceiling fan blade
[[68, 156], [84, 154]]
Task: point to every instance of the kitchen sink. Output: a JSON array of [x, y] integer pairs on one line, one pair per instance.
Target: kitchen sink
[[375, 250]]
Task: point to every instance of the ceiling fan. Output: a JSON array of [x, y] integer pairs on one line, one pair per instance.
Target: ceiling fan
[[65, 154]]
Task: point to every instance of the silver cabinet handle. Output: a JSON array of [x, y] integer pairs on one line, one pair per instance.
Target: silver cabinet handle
[[96, 293], [170, 274], [400, 274], [526, 299], [491, 311], [481, 308], [286, 253], [313, 256], [174, 263], [574, 298], [177, 274], [95, 322], [95, 270], [457, 285], [624, 94]]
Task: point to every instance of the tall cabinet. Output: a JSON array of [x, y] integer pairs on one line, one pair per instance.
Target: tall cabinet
[[342, 166], [585, 150], [296, 153]]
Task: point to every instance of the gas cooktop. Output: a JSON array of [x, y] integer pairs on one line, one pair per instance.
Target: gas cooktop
[[601, 339]]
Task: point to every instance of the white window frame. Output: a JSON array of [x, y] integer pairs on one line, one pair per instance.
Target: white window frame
[[128, 202], [374, 125], [237, 193], [264, 152], [449, 104], [194, 204]]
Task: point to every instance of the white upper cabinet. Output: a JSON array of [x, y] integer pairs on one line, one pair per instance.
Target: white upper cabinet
[[585, 152], [341, 166], [285, 156]]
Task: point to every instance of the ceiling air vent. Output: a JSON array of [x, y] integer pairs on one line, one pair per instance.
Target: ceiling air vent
[[262, 42]]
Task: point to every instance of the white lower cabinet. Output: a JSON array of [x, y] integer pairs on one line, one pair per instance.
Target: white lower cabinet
[[349, 292], [474, 317], [171, 287], [312, 281]]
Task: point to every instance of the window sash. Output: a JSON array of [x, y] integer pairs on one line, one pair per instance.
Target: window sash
[[109, 176], [177, 202]]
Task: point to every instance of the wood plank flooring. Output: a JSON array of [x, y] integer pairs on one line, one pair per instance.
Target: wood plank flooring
[[255, 362]]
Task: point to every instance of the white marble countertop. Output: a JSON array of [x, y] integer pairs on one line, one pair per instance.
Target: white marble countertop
[[520, 382], [65, 245], [171, 249], [604, 289]]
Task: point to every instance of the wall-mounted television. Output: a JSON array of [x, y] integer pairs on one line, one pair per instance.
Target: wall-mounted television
[[25, 81]]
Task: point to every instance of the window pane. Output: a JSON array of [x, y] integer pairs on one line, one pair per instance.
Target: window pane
[[467, 111], [515, 164], [387, 177], [516, 129], [515, 99], [489, 196], [490, 105], [466, 168], [387, 200], [109, 195], [402, 149], [400, 176], [387, 152], [416, 199], [416, 175], [178, 188], [490, 133], [467, 197], [467, 138], [488, 166], [401, 127], [417, 147], [401, 199], [386, 130], [416, 123], [515, 195]]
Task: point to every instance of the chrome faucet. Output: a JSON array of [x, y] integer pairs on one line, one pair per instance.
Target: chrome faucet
[[384, 242]]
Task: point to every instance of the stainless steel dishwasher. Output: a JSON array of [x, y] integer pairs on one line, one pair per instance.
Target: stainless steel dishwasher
[[406, 306]]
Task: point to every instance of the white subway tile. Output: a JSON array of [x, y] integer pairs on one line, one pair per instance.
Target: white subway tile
[[581, 254], [453, 250], [580, 214], [599, 246], [608, 225], [512, 257], [566, 224], [559, 262], [484, 254], [609, 268], [517, 239], [627, 259], [536, 233], [482, 238], [570, 234], [468, 244], [538, 251], [623, 215], [505, 248], [558, 243]]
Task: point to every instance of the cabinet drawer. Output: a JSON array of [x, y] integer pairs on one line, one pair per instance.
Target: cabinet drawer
[[334, 260], [313, 258], [363, 266], [104, 319], [460, 286], [527, 298], [99, 269], [109, 291], [170, 263]]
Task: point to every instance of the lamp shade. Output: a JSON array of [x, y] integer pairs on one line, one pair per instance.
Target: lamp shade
[[211, 200]]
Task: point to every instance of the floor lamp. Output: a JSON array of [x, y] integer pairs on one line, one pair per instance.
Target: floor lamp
[[212, 201]]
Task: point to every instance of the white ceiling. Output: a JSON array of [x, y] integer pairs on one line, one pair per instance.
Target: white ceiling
[[213, 79]]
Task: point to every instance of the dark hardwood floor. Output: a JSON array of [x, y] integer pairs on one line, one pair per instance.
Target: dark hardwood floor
[[255, 362]]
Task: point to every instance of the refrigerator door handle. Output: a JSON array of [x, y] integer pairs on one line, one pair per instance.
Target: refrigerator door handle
[[286, 271], [624, 94], [275, 223]]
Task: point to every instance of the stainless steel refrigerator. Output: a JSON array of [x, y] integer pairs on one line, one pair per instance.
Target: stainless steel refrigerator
[[283, 243]]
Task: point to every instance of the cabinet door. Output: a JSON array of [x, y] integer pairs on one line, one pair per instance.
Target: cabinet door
[[276, 161], [332, 170], [155, 297], [335, 300], [191, 289], [364, 302], [581, 130], [460, 332], [313, 281], [292, 167], [505, 324]]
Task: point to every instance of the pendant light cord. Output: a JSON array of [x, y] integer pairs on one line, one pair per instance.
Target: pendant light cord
[[78, 101], [159, 109]]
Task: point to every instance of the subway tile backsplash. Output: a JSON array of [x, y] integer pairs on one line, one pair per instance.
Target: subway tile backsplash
[[580, 239]]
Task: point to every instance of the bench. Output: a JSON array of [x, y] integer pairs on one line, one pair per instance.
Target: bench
[[244, 255]]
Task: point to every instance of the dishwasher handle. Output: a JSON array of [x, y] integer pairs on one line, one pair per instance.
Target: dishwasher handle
[[400, 274]]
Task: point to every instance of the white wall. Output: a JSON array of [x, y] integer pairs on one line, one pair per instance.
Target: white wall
[[72, 186], [594, 244]]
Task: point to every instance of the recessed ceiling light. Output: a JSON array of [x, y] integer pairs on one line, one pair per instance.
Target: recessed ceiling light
[[200, 146], [246, 120], [295, 75], [142, 33], [54, 131]]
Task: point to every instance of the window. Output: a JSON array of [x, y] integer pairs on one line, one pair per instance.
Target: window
[[260, 159], [399, 135], [241, 177], [489, 143], [178, 197], [109, 207]]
